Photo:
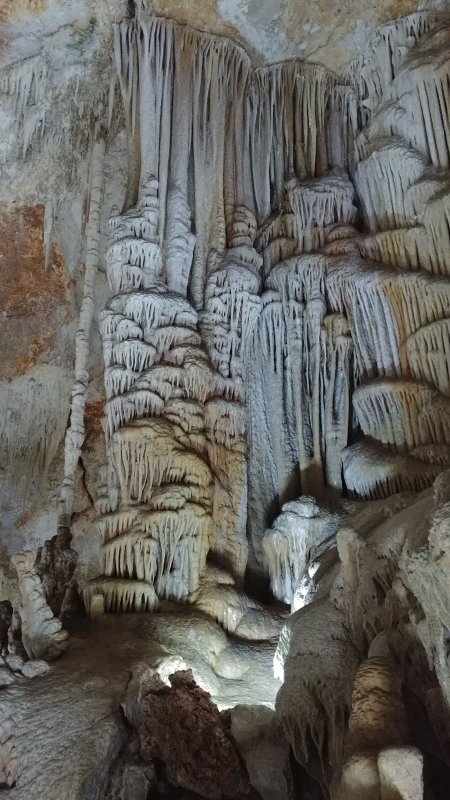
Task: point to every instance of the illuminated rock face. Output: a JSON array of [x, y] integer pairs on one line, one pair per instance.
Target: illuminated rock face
[[278, 350], [156, 523]]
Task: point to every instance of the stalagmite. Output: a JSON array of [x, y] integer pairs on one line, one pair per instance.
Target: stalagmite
[[378, 761], [318, 661], [294, 541], [42, 634]]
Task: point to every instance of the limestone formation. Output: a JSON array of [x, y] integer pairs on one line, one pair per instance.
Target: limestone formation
[[232, 409], [55, 564], [378, 761], [156, 521], [76, 430], [42, 634]]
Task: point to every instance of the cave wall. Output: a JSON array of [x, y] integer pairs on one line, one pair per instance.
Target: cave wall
[[301, 216], [225, 328], [308, 280]]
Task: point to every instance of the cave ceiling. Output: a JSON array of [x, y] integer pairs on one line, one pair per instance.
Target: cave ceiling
[[331, 32]]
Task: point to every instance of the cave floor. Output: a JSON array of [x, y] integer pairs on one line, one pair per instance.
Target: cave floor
[[62, 729]]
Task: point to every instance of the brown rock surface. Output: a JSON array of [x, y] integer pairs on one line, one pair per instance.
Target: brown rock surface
[[35, 299], [184, 729]]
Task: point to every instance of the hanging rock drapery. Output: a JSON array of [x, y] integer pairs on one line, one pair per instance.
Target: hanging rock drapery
[[264, 341]]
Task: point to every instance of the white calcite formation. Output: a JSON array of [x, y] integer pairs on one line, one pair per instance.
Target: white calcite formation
[[43, 635], [75, 433], [292, 546], [279, 350], [299, 427], [156, 522], [378, 760], [276, 346], [232, 307], [401, 153]]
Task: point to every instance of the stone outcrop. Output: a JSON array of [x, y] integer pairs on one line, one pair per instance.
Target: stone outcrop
[[181, 727]]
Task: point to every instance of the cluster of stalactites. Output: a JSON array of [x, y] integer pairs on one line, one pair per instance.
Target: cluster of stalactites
[[321, 307], [372, 72], [402, 414], [220, 133], [301, 333], [232, 302], [156, 521], [56, 110], [289, 108], [134, 259], [402, 179], [182, 93], [402, 149], [35, 409], [231, 311]]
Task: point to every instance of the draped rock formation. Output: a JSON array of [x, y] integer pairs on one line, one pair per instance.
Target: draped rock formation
[[274, 323], [157, 512], [258, 438]]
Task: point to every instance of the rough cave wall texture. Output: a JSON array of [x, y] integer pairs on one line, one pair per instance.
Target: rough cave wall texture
[[265, 318], [278, 150]]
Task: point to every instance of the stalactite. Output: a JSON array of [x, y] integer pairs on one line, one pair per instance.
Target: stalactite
[[372, 72], [157, 525], [429, 354], [232, 306], [281, 330], [76, 431], [402, 413]]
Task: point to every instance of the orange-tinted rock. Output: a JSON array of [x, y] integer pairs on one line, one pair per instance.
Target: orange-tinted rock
[[35, 300], [94, 414]]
